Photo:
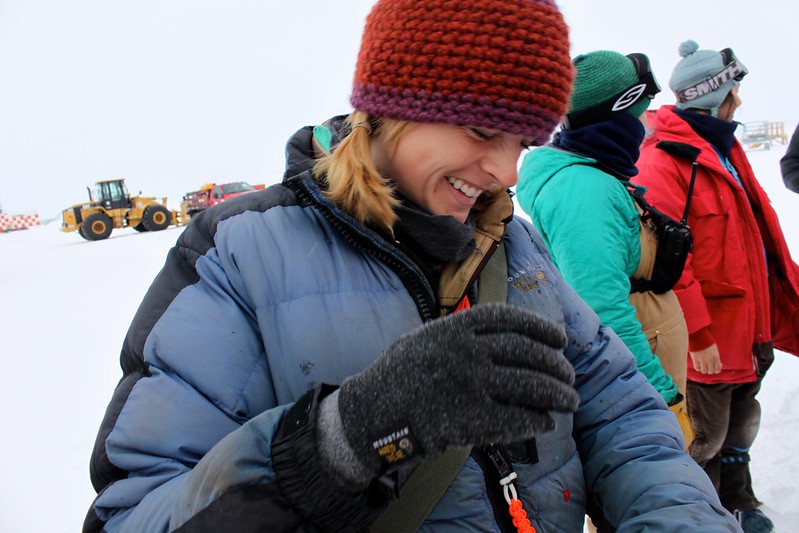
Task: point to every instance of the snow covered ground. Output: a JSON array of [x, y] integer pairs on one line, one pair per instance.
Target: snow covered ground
[[66, 305]]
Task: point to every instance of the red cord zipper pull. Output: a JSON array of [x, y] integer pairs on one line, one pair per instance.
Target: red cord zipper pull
[[515, 507], [519, 515]]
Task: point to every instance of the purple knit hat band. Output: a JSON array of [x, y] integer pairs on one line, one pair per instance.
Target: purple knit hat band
[[461, 110], [496, 64]]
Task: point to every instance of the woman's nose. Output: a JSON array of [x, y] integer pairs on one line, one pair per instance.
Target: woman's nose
[[502, 164]]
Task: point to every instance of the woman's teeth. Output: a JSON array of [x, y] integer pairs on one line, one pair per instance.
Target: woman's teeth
[[466, 189]]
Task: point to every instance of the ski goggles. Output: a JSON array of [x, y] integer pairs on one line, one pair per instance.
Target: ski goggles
[[733, 70], [646, 87]]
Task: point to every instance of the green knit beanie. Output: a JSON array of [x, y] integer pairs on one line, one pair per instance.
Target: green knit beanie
[[601, 75]]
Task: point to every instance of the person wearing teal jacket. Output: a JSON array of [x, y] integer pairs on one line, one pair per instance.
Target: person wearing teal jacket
[[575, 191]]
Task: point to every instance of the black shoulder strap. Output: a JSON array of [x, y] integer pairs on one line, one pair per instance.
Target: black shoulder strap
[[431, 479], [683, 151]]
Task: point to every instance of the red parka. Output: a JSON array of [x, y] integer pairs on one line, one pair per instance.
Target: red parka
[[740, 285]]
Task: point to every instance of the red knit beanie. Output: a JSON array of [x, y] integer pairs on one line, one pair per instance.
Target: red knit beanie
[[500, 64]]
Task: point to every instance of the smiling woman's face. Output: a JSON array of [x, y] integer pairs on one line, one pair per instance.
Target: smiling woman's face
[[446, 168]]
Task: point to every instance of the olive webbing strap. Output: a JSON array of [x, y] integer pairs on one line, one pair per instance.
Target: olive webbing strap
[[493, 286], [431, 479], [420, 494]]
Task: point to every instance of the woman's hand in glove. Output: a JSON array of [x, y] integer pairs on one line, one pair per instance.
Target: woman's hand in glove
[[488, 374]]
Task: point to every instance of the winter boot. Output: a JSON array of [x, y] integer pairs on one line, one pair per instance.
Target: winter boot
[[754, 521]]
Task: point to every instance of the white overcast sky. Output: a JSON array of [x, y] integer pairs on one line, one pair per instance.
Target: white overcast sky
[[171, 94]]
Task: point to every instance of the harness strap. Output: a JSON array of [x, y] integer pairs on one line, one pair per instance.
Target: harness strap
[[431, 479]]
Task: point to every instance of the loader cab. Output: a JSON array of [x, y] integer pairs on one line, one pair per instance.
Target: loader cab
[[112, 194]]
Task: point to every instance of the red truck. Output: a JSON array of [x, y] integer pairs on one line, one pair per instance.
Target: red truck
[[211, 194]]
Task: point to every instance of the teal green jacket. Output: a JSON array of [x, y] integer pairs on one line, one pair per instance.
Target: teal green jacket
[[590, 225]]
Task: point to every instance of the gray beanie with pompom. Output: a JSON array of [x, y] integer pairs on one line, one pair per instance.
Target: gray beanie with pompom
[[694, 79]]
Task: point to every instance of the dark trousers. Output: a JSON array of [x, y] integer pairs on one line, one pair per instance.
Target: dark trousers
[[726, 417]]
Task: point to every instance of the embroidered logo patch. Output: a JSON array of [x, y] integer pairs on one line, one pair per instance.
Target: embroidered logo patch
[[395, 447], [529, 279]]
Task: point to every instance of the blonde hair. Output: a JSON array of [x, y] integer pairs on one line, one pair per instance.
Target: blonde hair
[[353, 181]]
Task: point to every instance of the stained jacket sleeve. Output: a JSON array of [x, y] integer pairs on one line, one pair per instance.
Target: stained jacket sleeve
[[589, 229], [789, 164], [630, 443], [188, 438]]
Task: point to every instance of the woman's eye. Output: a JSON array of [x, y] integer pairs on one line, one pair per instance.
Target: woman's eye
[[480, 134]]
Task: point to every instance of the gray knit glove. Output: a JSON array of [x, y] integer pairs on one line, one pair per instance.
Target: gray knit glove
[[488, 374]]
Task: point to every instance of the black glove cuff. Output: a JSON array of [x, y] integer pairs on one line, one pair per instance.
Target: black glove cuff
[[306, 484], [677, 399]]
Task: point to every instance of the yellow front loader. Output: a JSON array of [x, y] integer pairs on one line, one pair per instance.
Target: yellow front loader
[[111, 206]]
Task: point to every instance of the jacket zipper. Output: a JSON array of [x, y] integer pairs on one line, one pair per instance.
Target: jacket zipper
[[496, 465], [414, 282]]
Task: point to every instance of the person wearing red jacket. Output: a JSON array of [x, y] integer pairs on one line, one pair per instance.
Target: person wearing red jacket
[[740, 288]]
